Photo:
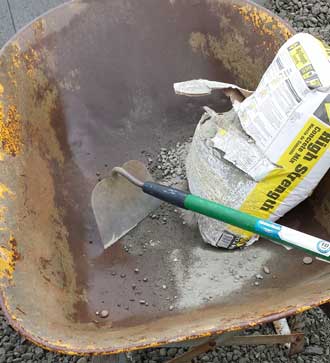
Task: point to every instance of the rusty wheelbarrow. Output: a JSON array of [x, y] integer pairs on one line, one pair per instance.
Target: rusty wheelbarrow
[[86, 87]]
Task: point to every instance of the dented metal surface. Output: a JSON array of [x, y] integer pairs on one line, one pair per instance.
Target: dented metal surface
[[83, 89]]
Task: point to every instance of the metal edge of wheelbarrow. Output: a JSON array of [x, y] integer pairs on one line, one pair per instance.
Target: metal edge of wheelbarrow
[[214, 328]]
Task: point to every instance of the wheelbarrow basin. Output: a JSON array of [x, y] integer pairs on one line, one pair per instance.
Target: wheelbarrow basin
[[86, 87]]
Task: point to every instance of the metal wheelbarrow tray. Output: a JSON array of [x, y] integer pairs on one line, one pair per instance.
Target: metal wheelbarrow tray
[[86, 87]]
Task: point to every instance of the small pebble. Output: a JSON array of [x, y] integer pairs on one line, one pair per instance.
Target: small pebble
[[266, 270], [97, 313], [122, 276], [259, 277], [307, 260], [142, 302], [164, 287], [136, 270], [113, 273], [171, 307], [257, 283], [104, 314], [133, 286], [145, 279]]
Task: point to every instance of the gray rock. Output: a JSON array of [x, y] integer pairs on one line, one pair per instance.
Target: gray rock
[[307, 260], [314, 350], [7, 346], [314, 339], [229, 356], [38, 352], [162, 352], [153, 354], [82, 360], [266, 270], [172, 352], [260, 348], [27, 356]]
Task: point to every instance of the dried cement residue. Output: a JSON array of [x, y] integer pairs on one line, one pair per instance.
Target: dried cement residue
[[210, 276]]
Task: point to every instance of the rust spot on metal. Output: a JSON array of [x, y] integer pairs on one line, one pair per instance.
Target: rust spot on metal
[[10, 130], [231, 52], [31, 58], [199, 42], [15, 56], [8, 258], [39, 28], [265, 23], [5, 191]]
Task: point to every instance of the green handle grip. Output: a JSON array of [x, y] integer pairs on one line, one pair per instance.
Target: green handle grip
[[221, 212]]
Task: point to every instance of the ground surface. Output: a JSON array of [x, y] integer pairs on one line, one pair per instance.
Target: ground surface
[[312, 16]]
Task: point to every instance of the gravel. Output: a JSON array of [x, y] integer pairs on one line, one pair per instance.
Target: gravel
[[169, 164], [312, 16]]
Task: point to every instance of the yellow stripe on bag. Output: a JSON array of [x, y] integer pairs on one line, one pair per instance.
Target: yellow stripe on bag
[[299, 56], [297, 161], [303, 64]]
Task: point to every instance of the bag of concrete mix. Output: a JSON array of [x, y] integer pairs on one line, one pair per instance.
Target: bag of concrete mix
[[270, 151]]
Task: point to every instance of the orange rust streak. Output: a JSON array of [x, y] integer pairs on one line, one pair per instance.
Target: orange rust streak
[[8, 258], [263, 21], [4, 190], [10, 130]]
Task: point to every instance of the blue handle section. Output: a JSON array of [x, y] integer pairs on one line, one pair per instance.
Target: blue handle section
[[268, 229]]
